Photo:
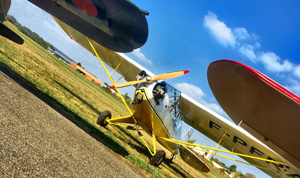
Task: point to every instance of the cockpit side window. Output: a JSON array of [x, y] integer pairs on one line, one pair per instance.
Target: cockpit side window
[[174, 97], [159, 92]]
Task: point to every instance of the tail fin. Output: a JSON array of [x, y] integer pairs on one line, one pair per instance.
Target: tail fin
[[9, 34], [187, 136]]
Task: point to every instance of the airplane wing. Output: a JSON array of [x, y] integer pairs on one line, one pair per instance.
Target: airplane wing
[[264, 108], [127, 68], [238, 140], [116, 24]]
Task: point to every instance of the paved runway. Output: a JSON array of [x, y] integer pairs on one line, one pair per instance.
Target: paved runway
[[37, 141]]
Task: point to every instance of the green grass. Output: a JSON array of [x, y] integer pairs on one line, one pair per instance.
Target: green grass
[[216, 174], [81, 101], [144, 165]]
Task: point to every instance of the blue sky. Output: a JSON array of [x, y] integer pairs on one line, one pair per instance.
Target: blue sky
[[191, 35]]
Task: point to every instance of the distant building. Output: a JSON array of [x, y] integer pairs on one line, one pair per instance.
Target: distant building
[[87, 75], [60, 55], [217, 165]]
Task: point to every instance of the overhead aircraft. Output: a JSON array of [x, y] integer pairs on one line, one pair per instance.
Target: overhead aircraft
[[5, 31], [118, 25], [244, 93]]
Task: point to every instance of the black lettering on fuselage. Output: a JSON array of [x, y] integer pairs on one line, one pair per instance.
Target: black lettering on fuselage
[[238, 140], [278, 166], [214, 125], [255, 150]]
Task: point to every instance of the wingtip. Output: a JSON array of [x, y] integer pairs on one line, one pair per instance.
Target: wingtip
[[112, 87], [186, 71]]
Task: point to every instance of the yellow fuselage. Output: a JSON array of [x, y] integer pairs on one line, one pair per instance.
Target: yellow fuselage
[[149, 116]]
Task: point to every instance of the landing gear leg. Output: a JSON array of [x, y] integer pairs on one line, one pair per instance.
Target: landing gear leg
[[172, 157]]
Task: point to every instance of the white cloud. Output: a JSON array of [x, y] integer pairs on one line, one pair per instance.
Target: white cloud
[[294, 85], [247, 44], [190, 90], [295, 89], [273, 63], [241, 33], [197, 94], [257, 45], [219, 29], [142, 57], [212, 106], [297, 71], [248, 51]]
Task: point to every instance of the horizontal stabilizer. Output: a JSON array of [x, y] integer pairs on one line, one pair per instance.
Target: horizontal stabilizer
[[9, 34], [192, 159], [187, 136]]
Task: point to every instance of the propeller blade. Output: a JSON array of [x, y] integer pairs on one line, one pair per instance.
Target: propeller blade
[[128, 83], [151, 79], [169, 75]]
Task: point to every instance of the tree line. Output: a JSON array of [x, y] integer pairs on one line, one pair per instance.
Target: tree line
[[34, 36]]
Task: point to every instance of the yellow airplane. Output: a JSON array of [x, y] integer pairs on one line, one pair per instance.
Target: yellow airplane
[[256, 103], [160, 110]]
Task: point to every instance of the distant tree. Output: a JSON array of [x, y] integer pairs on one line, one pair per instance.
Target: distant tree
[[34, 36], [218, 162], [232, 168], [127, 99], [12, 20], [79, 64]]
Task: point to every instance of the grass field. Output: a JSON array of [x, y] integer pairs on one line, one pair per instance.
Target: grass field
[[81, 101]]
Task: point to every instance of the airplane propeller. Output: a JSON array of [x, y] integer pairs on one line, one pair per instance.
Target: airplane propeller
[[150, 79]]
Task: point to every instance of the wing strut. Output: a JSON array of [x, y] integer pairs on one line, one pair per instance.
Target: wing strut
[[196, 146], [116, 68], [110, 76], [119, 79], [219, 144]]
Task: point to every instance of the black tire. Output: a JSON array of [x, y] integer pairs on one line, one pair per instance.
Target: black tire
[[158, 158], [102, 119]]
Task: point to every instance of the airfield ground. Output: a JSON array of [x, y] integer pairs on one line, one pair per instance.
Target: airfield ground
[[62, 138]]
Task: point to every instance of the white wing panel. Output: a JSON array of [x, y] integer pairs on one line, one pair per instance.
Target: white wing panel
[[127, 68], [214, 126]]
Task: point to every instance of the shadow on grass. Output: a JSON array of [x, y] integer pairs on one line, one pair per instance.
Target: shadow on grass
[[143, 150], [81, 123], [176, 168], [139, 146], [12, 59], [78, 97]]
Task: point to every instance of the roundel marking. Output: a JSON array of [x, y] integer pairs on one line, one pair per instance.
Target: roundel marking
[[87, 6]]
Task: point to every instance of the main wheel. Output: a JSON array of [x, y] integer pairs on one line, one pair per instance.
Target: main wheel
[[103, 117], [158, 158]]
